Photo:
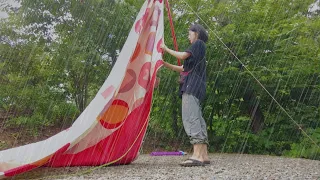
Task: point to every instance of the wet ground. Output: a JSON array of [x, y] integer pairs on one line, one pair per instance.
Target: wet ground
[[223, 166]]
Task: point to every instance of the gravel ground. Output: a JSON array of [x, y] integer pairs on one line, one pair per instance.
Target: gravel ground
[[223, 166]]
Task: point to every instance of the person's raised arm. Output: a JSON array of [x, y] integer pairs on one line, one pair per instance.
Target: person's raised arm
[[179, 55]]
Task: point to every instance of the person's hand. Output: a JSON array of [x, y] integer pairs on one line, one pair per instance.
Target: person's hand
[[163, 47]]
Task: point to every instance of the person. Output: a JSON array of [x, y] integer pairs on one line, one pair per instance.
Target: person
[[192, 90]]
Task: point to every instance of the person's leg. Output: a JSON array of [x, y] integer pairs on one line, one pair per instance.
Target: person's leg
[[196, 152], [195, 129], [199, 151], [204, 152], [201, 139]]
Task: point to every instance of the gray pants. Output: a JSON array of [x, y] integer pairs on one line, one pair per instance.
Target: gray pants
[[192, 119]]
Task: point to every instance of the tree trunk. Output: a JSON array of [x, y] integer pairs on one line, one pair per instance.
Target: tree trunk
[[175, 116], [254, 110]]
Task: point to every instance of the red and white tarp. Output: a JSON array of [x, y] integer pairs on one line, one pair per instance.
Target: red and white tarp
[[110, 130]]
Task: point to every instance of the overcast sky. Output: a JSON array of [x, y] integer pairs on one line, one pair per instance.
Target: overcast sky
[[314, 6], [11, 2], [3, 15]]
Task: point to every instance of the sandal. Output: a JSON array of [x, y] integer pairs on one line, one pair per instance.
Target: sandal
[[192, 162]]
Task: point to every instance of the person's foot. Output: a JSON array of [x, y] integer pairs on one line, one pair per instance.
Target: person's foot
[[197, 157], [206, 162], [205, 159], [200, 153], [204, 154], [192, 162]]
